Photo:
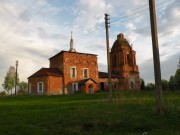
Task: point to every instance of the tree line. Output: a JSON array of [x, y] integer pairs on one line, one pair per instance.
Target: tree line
[[9, 83], [172, 84]]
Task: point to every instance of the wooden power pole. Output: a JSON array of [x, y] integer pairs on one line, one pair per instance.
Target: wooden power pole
[[108, 55], [16, 77], [157, 68]]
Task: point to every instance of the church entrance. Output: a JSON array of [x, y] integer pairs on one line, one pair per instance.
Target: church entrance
[[91, 90]]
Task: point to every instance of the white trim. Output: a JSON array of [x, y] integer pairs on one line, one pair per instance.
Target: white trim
[[42, 87], [87, 73], [29, 88], [71, 74]]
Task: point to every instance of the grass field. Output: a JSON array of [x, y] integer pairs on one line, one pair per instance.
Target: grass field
[[130, 113]]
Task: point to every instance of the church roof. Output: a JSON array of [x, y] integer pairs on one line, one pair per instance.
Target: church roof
[[47, 72], [120, 41], [105, 75], [84, 81], [70, 52]]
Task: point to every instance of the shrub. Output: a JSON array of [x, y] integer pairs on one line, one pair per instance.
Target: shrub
[[3, 93]]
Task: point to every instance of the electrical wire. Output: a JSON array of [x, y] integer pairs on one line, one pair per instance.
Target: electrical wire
[[22, 27], [95, 29], [124, 18], [25, 13], [117, 19]]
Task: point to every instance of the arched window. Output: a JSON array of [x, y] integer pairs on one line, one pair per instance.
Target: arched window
[[129, 60]]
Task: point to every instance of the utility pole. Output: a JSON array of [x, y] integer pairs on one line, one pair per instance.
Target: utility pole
[[157, 68], [16, 76], [108, 55]]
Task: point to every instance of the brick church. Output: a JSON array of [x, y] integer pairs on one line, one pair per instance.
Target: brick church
[[75, 72]]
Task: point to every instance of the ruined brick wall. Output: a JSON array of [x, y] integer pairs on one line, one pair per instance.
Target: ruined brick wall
[[123, 63], [114, 82]]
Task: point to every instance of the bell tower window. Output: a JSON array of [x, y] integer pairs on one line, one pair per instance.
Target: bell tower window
[[129, 60]]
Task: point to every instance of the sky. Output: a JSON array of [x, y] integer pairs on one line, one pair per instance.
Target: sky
[[32, 31]]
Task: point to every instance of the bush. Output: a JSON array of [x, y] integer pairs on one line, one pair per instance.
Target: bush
[[3, 93], [21, 92], [150, 86]]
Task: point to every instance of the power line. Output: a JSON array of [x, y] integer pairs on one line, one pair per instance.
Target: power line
[[118, 19], [143, 14], [24, 13], [95, 29], [91, 33], [125, 17], [139, 10], [137, 15], [27, 13], [20, 28]]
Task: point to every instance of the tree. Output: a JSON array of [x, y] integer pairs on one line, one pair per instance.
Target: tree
[[177, 79], [172, 83], [23, 87], [150, 86], [9, 79], [164, 84], [142, 84]]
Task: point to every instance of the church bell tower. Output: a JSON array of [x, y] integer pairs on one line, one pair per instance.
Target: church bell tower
[[123, 63]]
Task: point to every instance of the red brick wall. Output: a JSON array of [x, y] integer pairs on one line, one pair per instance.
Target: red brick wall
[[55, 85], [122, 67], [94, 87], [57, 62], [51, 84], [114, 81], [66, 60], [34, 84]]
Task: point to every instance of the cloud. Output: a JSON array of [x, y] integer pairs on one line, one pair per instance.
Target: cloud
[[90, 13], [169, 21], [102, 67], [35, 35], [168, 68], [31, 45]]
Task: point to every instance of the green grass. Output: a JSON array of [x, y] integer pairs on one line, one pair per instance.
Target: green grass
[[130, 113]]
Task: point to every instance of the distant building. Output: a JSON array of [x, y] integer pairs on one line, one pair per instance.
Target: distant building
[[74, 72]]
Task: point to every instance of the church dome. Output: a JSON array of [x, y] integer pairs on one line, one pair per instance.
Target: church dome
[[120, 42]]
